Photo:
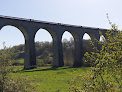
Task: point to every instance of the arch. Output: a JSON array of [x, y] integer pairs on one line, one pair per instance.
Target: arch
[[45, 35], [12, 28], [13, 36], [20, 28], [86, 42], [86, 46], [102, 38], [68, 48], [51, 32], [90, 35], [86, 36], [44, 47], [71, 33]]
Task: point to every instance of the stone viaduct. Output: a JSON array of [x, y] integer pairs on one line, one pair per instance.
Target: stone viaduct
[[29, 27]]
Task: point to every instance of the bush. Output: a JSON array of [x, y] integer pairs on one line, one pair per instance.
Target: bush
[[107, 65], [8, 83]]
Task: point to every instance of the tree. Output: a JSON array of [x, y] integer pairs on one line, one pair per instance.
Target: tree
[[107, 65]]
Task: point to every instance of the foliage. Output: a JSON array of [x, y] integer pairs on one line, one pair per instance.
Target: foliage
[[107, 65], [5, 62], [44, 52], [7, 83], [68, 51]]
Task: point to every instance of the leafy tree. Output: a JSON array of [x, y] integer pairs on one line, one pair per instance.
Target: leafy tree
[[106, 74]]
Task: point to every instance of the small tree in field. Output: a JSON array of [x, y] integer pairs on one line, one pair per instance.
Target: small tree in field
[[106, 74], [7, 82], [5, 66]]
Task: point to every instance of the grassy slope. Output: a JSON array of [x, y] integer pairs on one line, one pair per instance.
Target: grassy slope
[[53, 79]]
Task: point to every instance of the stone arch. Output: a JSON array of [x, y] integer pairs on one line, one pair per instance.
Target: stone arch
[[77, 48], [24, 34], [68, 49], [45, 56], [18, 27], [94, 36], [45, 32], [91, 35], [69, 34], [105, 36], [102, 38], [86, 36], [19, 33], [51, 32], [73, 34]]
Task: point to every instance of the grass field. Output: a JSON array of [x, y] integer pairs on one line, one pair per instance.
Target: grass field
[[50, 79]]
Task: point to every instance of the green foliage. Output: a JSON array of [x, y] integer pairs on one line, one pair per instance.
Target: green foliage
[[107, 65], [5, 63], [44, 53], [45, 62], [68, 51], [7, 83], [18, 62]]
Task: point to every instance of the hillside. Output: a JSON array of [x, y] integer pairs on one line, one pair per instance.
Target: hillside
[[44, 52]]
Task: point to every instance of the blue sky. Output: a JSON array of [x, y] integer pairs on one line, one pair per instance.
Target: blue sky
[[90, 13]]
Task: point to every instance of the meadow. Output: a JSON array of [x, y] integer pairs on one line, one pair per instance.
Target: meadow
[[48, 79]]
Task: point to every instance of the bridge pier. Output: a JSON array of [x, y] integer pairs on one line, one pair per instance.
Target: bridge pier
[[78, 52], [57, 52], [30, 56]]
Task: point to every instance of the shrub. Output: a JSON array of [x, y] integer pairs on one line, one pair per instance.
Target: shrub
[[8, 83], [107, 65]]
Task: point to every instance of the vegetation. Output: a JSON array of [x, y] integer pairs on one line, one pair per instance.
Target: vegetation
[[104, 77], [107, 65], [7, 83], [48, 79], [44, 53], [14, 79], [44, 79]]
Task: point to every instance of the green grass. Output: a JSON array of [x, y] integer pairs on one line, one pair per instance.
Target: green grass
[[21, 61], [50, 79], [18, 62]]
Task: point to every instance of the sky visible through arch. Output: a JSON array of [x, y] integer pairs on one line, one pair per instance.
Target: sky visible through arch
[[91, 13]]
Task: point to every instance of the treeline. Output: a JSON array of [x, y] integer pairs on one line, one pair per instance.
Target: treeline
[[44, 52]]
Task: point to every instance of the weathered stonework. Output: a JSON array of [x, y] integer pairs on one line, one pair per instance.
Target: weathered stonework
[[29, 28]]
